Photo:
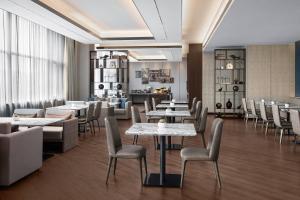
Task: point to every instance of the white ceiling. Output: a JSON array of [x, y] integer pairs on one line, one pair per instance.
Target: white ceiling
[[258, 22]]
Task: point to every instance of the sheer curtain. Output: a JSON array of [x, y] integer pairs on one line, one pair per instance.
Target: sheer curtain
[[31, 62]]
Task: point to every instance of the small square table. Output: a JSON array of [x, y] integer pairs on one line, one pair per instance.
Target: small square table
[[30, 122], [176, 102], [164, 106], [162, 179]]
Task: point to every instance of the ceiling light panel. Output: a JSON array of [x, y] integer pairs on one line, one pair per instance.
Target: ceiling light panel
[[106, 19]]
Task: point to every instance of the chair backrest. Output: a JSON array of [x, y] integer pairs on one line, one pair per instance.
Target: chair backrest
[[244, 102], [135, 115], [74, 102], [193, 108], [113, 137], [58, 113], [202, 126], [198, 111], [253, 107], [97, 111], [147, 106], [90, 111], [47, 104], [214, 141], [295, 119], [276, 115], [263, 112], [154, 103]]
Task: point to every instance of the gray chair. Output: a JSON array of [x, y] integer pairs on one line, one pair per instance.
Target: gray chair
[[255, 113], [47, 104], [197, 115], [202, 126], [87, 120], [266, 118], [211, 153], [97, 113], [193, 107], [195, 118], [21, 153], [147, 110], [295, 119], [118, 150], [247, 112], [153, 103], [136, 118], [279, 123]]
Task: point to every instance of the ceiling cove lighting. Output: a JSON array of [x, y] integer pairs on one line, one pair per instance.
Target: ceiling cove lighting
[[100, 23]]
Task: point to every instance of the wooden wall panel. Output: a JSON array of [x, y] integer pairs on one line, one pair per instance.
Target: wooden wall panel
[[194, 71]]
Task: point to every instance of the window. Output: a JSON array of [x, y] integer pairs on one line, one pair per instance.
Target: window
[[31, 62]]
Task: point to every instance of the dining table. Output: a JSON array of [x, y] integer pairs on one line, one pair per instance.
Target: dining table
[[172, 106], [170, 117], [75, 107], [176, 102], [162, 179]]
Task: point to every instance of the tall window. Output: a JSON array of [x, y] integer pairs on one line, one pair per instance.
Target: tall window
[[31, 62]]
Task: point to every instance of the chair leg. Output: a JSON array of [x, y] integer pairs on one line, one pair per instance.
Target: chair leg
[[281, 135], [141, 170], [183, 164], [133, 142], [267, 126], [182, 138], [145, 165], [217, 173], [263, 124], [108, 169], [203, 140], [98, 125], [115, 165], [256, 119]]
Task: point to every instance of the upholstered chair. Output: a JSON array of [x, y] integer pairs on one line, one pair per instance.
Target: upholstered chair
[[266, 118], [117, 150], [97, 113], [247, 111], [87, 120], [255, 113], [147, 110], [210, 153], [280, 124], [295, 119]]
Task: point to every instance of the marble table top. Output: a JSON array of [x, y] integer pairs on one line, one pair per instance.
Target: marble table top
[[71, 107], [174, 129], [30, 121], [163, 113], [162, 105], [176, 102]]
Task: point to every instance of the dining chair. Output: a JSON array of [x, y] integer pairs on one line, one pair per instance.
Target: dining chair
[[194, 119], [87, 120], [193, 107], [96, 115], [136, 118], [118, 150], [280, 123], [247, 111], [47, 104], [210, 153], [295, 119], [153, 104], [147, 110], [266, 118], [255, 113]]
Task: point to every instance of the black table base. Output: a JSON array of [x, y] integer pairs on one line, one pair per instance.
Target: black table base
[[171, 180], [170, 146]]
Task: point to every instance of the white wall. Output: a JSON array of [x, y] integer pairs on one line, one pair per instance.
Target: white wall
[[208, 71], [178, 71], [83, 71]]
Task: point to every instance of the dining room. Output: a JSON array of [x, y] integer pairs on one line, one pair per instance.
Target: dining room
[[149, 99]]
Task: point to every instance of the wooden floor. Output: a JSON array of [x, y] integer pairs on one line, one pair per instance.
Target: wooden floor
[[252, 166]]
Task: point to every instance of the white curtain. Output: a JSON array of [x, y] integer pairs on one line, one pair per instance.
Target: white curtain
[[31, 62]]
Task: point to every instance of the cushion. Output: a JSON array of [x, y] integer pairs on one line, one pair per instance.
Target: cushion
[[25, 115], [119, 111], [131, 151], [194, 153], [5, 128], [65, 116], [52, 133], [122, 102]]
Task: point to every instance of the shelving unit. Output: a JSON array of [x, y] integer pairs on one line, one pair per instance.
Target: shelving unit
[[230, 79], [109, 75]]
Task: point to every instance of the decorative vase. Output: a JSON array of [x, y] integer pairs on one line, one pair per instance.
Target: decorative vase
[[228, 104], [220, 89], [101, 86], [235, 88], [218, 105], [119, 86]]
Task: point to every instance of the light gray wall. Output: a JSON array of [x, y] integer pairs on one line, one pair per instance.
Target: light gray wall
[[83, 71], [208, 81], [178, 71]]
